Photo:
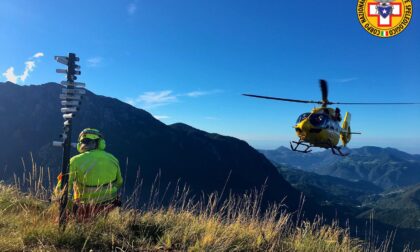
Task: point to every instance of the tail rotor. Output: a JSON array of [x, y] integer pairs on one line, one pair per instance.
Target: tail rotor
[[345, 134]]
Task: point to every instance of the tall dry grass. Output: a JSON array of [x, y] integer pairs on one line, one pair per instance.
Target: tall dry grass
[[28, 221]]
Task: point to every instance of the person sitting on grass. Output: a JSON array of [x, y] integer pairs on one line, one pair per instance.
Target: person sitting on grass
[[94, 177]]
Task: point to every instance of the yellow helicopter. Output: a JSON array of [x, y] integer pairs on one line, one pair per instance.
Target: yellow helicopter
[[321, 127]]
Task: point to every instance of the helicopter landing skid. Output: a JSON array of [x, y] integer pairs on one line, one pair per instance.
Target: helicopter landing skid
[[336, 150], [299, 143]]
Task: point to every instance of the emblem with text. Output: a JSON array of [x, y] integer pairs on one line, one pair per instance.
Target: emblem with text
[[384, 18]]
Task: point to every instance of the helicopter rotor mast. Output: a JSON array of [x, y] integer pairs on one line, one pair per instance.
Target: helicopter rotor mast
[[324, 92]]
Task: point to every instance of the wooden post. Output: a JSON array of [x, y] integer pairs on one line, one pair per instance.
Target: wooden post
[[70, 99]]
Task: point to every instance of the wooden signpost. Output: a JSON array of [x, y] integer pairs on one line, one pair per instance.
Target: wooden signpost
[[71, 96]]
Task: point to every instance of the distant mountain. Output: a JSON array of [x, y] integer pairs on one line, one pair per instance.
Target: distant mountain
[[400, 208], [329, 190], [30, 120], [407, 198], [363, 200], [303, 161], [385, 167]]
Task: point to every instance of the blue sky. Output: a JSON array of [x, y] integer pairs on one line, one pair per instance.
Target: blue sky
[[189, 61]]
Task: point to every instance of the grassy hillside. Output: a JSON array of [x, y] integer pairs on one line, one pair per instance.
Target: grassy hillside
[[29, 223]]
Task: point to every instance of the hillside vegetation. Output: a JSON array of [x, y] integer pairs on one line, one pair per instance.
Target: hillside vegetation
[[387, 168], [400, 208], [29, 223], [326, 188]]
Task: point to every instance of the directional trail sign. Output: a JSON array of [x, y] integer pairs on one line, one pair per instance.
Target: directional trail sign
[[64, 71], [73, 91], [70, 103], [74, 84], [71, 97], [69, 110]]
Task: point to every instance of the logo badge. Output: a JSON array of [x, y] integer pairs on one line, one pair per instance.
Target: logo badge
[[384, 18]]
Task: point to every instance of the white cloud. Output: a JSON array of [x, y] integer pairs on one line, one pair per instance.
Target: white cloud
[[161, 117], [153, 99], [38, 55], [132, 8], [95, 61], [195, 94], [164, 97], [10, 75], [201, 93], [130, 101], [29, 67]]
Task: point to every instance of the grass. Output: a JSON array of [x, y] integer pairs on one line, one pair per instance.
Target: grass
[[30, 223]]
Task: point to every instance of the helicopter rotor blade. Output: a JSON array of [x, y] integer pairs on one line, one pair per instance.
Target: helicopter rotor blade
[[375, 103], [324, 91], [282, 99]]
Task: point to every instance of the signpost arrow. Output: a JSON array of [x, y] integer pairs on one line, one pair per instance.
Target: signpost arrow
[[68, 116], [63, 71], [58, 144], [70, 97], [73, 91], [70, 103], [73, 84], [69, 110], [62, 59]]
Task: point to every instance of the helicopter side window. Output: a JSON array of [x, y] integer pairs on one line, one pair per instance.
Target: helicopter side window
[[319, 120], [329, 125], [336, 126], [332, 125], [302, 117]]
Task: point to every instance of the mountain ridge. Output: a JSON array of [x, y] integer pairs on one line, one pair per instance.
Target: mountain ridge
[[207, 162]]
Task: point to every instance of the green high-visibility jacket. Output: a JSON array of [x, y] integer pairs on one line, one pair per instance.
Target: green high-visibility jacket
[[95, 176]]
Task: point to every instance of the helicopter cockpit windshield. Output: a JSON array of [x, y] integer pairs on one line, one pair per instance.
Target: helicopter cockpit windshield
[[319, 120], [302, 117]]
